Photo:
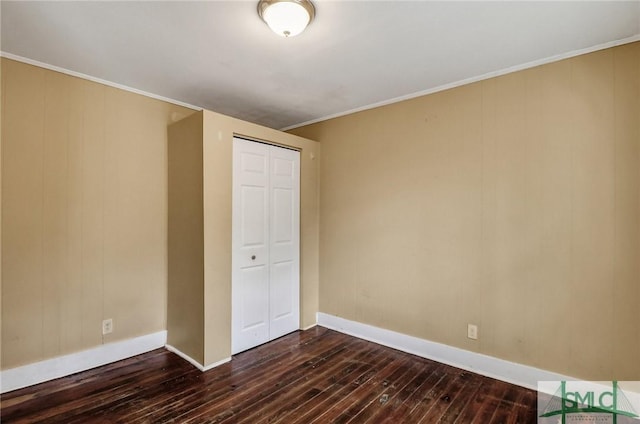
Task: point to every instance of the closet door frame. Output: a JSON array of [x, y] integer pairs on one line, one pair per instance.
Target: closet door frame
[[265, 243]]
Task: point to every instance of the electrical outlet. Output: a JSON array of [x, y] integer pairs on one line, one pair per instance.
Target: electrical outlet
[[472, 331], [107, 326]]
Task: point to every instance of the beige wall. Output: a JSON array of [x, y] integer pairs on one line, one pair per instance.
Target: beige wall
[[1, 111], [512, 203], [185, 302], [84, 208], [215, 158]]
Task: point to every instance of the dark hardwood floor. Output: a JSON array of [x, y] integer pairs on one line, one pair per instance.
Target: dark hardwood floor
[[313, 376]]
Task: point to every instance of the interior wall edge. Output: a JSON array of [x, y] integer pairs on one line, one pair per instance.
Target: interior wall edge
[[195, 363], [185, 245]]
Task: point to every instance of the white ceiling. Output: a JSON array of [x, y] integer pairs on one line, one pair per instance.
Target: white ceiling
[[220, 56]]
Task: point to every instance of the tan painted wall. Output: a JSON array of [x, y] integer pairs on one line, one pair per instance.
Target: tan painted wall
[[84, 208], [185, 302], [217, 143], [512, 203], [1, 185]]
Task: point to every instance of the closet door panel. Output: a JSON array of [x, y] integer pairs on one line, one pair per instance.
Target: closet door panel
[[284, 243], [250, 246], [283, 302]]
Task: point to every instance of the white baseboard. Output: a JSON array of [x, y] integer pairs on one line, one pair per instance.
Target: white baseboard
[[308, 327], [39, 372], [216, 364], [194, 362], [510, 372]]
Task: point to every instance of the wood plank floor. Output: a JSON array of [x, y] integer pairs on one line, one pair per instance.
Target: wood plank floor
[[313, 376]]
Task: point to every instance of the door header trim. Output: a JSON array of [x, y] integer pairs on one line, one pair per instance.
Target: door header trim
[[267, 142]]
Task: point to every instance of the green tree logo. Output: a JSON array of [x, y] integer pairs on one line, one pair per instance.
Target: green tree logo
[[585, 401]]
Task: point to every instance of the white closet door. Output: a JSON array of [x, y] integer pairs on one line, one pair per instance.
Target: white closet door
[[250, 250], [284, 242], [266, 243]]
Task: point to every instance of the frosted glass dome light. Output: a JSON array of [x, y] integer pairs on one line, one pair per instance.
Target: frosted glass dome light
[[286, 18]]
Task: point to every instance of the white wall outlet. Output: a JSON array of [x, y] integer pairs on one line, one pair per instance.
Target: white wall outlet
[[107, 326], [472, 331]]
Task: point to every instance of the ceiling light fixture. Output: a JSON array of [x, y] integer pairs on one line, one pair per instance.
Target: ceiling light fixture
[[287, 18]]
